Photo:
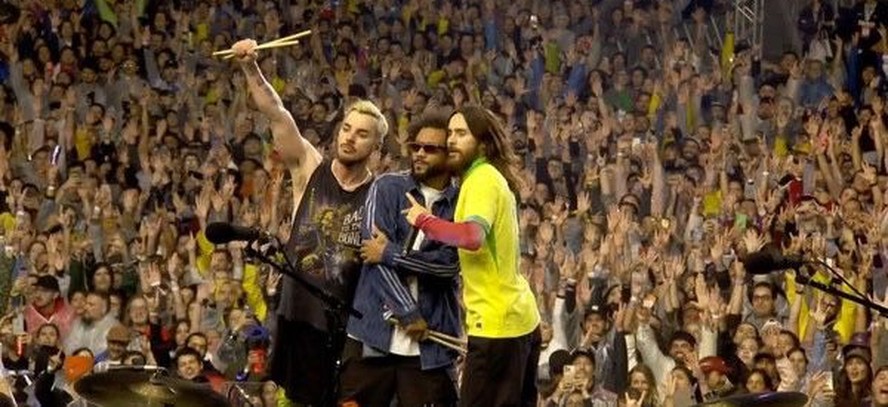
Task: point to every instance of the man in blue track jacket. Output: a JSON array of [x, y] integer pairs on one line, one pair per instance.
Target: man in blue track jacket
[[413, 280]]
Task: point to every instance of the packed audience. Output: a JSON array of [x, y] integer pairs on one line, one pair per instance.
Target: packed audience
[[657, 156]]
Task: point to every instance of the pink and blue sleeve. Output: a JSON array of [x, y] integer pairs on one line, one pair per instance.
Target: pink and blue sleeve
[[464, 235]]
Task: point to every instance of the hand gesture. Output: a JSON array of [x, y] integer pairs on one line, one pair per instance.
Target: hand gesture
[[373, 249], [569, 269], [597, 88], [541, 248], [819, 314], [635, 402], [590, 258], [161, 129], [154, 276], [173, 267], [154, 225], [661, 239], [796, 243], [701, 292], [272, 281], [614, 218], [202, 203], [532, 119], [414, 211], [245, 51], [584, 203], [718, 248], [820, 388], [190, 244], [417, 330], [519, 86], [753, 241], [620, 318], [546, 232], [648, 258], [228, 188], [869, 173], [671, 386], [675, 267]]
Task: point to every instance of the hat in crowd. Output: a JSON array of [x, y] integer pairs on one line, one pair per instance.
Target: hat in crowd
[[118, 333], [47, 283], [764, 357], [772, 324], [628, 200], [579, 352], [858, 346], [596, 309], [557, 361], [76, 366], [714, 364], [863, 353], [683, 336], [52, 225], [860, 340]]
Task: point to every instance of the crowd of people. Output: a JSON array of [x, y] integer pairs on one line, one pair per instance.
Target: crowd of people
[[653, 160]]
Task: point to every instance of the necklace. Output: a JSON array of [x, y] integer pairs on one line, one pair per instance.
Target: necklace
[[350, 187]]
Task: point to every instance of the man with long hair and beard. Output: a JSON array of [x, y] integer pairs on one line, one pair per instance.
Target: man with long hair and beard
[[502, 319], [414, 279], [306, 345]]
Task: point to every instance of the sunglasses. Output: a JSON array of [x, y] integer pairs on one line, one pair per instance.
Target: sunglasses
[[428, 148]]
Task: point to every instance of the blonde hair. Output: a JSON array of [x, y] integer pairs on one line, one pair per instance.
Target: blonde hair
[[368, 108]]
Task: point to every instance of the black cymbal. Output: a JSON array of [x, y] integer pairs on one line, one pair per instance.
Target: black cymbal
[[125, 388], [782, 399]]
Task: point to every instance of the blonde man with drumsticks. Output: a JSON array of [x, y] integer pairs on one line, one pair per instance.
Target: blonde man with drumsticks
[[328, 200]]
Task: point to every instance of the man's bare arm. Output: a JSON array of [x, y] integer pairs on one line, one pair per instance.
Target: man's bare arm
[[296, 152]]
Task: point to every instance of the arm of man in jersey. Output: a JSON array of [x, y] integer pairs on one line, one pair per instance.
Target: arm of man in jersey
[[294, 150], [468, 234]]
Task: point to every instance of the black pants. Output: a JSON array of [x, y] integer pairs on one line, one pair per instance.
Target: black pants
[[302, 365], [501, 372], [376, 381]]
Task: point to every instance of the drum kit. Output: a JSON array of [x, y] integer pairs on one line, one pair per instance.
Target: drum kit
[[123, 388], [774, 399], [120, 388]]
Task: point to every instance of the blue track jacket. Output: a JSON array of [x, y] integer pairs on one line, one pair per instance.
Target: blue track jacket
[[381, 287]]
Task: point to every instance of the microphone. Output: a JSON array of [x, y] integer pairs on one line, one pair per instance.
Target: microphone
[[108, 366], [224, 232], [766, 261]]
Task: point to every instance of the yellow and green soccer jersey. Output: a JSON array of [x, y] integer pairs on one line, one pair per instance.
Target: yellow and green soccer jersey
[[498, 299]]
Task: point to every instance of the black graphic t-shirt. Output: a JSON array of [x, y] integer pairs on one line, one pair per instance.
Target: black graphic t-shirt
[[324, 245]]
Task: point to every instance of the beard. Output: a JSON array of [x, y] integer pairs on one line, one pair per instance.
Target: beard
[[459, 160], [352, 158], [426, 171]]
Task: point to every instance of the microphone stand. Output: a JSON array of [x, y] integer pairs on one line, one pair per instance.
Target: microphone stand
[[334, 308], [838, 275], [808, 281]]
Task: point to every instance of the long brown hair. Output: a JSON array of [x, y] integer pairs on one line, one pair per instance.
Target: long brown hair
[[488, 130]]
